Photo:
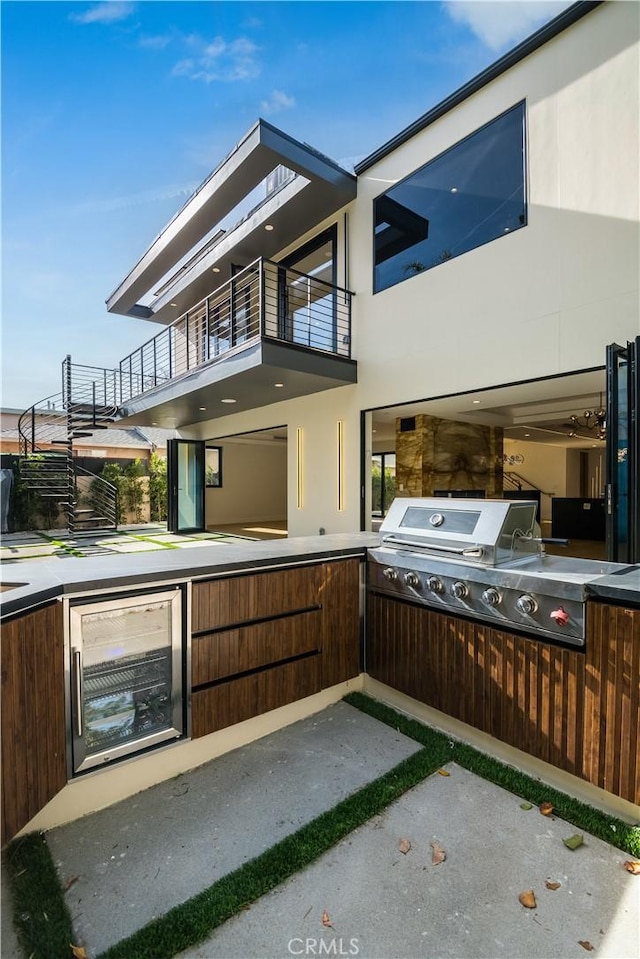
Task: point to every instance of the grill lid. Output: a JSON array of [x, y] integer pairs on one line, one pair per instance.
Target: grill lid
[[485, 532]]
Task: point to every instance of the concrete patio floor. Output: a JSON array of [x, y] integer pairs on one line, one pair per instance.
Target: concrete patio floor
[[138, 538], [137, 859]]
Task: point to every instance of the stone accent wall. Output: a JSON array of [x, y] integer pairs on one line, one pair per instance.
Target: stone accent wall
[[448, 455]]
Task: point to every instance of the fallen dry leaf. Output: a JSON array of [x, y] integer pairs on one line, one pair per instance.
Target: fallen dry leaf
[[404, 845], [443, 772], [552, 885], [69, 883], [632, 867], [574, 842], [527, 899], [546, 808], [78, 952], [439, 855], [326, 920], [586, 945]]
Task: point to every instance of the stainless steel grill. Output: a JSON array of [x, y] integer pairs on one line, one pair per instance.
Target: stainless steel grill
[[484, 559]]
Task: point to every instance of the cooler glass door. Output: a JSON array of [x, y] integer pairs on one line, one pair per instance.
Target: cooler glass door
[[126, 676]]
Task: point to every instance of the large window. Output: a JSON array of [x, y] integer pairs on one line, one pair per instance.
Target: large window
[[467, 196], [213, 466]]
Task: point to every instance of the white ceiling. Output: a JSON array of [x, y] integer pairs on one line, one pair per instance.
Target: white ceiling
[[535, 412]]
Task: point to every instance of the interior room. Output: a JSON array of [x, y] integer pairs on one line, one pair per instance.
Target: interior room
[[543, 440], [246, 484]]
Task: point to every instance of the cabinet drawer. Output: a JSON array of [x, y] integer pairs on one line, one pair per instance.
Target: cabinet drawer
[[240, 599], [229, 652], [235, 700]]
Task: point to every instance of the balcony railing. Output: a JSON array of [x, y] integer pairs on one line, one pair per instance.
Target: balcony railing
[[264, 300]]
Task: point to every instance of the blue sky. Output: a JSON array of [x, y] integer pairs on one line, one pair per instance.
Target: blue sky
[[112, 114]]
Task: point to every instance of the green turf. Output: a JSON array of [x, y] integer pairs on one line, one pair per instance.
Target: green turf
[[40, 913], [600, 824]]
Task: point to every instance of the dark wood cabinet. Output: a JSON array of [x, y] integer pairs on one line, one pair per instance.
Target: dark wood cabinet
[[263, 640], [576, 709], [33, 715]]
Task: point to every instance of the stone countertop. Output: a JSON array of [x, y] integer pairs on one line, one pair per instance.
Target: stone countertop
[[45, 579], [622, 587]]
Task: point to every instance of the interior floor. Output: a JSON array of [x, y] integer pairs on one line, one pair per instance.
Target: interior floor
[[269, 529]]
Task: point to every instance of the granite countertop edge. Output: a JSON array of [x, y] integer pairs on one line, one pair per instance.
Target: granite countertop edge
[[44, 580]]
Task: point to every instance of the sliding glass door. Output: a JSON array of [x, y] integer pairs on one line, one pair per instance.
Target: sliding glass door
[[185, 481]]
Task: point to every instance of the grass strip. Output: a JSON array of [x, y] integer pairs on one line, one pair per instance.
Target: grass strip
[[612, 830], [193, 921], [40, 915]]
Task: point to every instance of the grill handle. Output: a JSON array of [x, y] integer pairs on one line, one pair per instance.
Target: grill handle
[[475, 552]]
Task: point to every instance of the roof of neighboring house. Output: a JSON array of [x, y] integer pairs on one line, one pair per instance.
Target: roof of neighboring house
[[134, 437], [550, 30]]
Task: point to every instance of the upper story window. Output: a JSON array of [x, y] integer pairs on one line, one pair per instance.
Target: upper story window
[[472, 193]]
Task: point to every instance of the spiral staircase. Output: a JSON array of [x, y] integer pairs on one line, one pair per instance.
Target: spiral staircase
[[48, 467]]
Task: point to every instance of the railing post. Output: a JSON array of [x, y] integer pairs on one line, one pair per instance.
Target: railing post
[[67, 381], [104, 386], [155, 364], [261, 318], [206, 327], [186, 334], [170, 332], [33, 428], [93, 385]]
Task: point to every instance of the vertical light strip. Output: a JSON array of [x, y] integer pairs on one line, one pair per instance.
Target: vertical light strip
[[299, 463], [340, 465]]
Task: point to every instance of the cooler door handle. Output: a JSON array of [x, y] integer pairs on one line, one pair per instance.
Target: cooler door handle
[[77, 689]]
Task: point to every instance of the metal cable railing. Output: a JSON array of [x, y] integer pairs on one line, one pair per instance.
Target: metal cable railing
[[263, 300]]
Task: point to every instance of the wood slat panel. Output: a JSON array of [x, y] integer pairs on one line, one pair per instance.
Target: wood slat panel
[[240, 599], [234, 701], [235, 651], [340, 598], [33, 717], [578, 710]]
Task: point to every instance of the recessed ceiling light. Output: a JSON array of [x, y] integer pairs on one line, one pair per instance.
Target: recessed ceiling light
[[527, 434], [278, 384], [454, 189], [154, 424], [476, 401], [374, 431], [216, 269], [506, 229], [202, 408], [228, 401], [268, 227], [173, 304]]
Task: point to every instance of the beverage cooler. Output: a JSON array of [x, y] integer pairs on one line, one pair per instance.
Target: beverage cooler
[[127, 667]]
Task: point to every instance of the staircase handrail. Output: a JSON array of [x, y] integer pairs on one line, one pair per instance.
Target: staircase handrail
[[517, 479], [39, 424]]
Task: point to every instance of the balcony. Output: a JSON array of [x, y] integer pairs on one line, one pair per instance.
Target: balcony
[[268, 334]]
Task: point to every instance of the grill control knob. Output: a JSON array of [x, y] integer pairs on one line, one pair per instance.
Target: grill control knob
[[459, 590], [390, 574], [411, 579], [491, 597], [435, 584], [527, 604], [560, 616]]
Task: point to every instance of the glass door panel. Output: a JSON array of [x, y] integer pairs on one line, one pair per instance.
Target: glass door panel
[[623, 442], [186, 476], [127, 676]]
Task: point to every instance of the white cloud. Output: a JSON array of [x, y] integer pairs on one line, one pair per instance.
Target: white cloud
[[279, 100], [219, 59], [501, 22], [155, 43], [108, 12]]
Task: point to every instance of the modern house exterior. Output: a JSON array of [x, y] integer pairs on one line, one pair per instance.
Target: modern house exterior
[[458, 302]]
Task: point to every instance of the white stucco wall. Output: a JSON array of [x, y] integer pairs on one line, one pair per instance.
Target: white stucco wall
[[549, 297], [254, 484]]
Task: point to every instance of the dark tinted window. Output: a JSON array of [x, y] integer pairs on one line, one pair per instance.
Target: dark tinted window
[[463, 198]]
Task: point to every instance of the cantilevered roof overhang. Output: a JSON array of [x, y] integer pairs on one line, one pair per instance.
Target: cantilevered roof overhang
[[321, 188]]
